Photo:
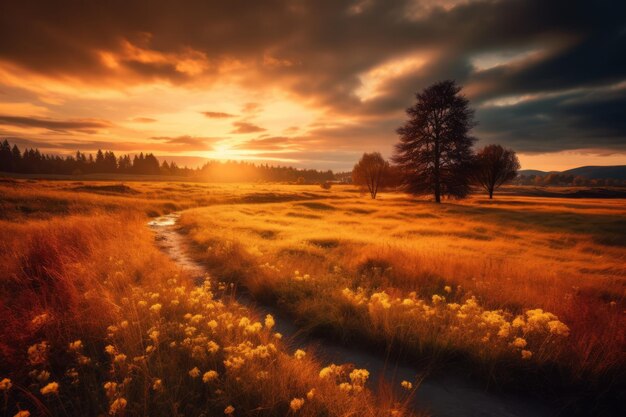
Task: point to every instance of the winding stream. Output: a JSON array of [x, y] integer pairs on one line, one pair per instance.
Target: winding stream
[[442, 396]]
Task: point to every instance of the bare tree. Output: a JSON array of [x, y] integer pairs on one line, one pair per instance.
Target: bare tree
[[435, 149], [370, 172], [495, 166]]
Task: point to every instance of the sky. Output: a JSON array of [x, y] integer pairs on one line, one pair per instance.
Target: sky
[[310, 83]]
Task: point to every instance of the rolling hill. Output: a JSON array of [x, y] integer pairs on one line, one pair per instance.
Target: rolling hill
[[597, 172]]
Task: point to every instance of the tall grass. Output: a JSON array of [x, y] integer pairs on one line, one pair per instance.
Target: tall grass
[[400, 273], [95, 320]]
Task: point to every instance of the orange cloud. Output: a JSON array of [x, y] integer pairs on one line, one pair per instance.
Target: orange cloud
[[245, 127]]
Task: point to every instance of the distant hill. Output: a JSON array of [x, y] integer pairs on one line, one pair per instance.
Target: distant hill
[[528, 172], [617, 172]]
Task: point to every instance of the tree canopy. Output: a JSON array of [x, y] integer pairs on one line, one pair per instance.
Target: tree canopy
[[494, 167], [371, 172], [435, 148]]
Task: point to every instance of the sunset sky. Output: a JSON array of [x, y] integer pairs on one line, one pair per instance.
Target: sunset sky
[[310, 83]]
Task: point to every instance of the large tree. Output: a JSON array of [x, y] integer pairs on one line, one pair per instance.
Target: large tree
[[371, 172], [495, 166], [435, 149]]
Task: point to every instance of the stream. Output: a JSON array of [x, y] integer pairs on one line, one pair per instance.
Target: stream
[[441, 396]]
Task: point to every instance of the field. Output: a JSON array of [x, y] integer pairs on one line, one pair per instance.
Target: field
[[522, 293]]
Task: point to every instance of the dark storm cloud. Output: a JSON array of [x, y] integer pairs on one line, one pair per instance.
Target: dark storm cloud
[[83, 125], [592, 120], [245, 127], [319, 50]]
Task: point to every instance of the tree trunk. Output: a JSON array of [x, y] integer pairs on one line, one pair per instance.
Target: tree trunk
[[490, 194], [437, 174]]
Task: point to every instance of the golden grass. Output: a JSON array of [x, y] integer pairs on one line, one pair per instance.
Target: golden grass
[[95, 320], [513, 254]]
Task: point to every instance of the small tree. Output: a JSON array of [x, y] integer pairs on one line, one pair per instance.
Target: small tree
[[371, 172], [435, 149], [494, 167]]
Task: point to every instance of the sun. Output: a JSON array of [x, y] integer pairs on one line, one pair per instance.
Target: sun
[[224, 153]]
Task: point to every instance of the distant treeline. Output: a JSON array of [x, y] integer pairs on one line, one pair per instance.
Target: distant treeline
[[561, 179], [32, 161]]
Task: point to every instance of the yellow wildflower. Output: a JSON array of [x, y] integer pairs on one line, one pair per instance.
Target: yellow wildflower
[[229, 410], [437, 299], [518, 322], [359, 376], [299, 354], [157, 385], [155, 308], [519, 342], [526, 354], [296, 404], [194, 373], [22, 413], [110, 388], [38, 353], [5, 384], [154, 335], [51, 388], [76, 345], [558, 328], [504, 330], [209, 376], [311, 394], [344, 386], [253, 328], [330, 370], [269, 321], [117, 406], [407, 385], [120, 358], [212, 347]]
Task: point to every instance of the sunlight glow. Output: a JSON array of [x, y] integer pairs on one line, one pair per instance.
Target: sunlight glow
[[374, 81]]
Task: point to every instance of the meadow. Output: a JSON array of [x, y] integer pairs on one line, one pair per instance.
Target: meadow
[[96, 320], [524, 293]]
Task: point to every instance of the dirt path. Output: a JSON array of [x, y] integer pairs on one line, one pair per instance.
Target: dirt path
[[450, 396]]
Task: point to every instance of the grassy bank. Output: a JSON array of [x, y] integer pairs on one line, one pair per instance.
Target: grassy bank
[[95, 320], [528, 292]]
